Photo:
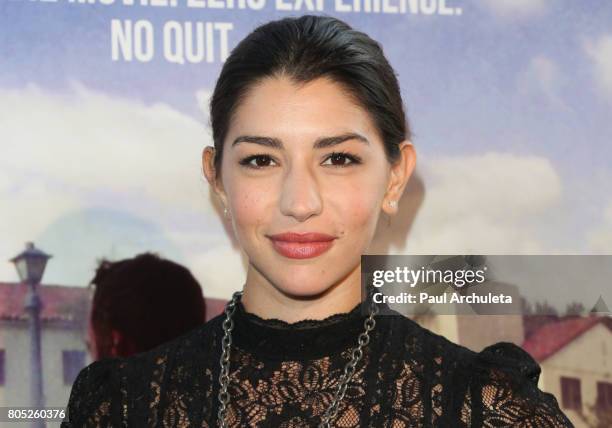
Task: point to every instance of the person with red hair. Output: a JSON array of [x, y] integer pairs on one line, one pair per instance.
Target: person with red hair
[[140, 303]]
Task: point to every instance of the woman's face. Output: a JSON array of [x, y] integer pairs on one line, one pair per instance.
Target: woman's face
[[304, 159]]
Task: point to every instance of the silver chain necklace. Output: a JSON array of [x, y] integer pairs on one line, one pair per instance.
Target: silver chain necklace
[[349, 369]]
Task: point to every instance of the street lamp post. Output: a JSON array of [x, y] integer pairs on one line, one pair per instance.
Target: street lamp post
[[30, 265]]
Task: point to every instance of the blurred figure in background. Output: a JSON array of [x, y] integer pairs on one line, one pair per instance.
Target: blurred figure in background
[[140, 303]]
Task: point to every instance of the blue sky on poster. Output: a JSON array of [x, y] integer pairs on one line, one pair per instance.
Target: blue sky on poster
[[519, 90]]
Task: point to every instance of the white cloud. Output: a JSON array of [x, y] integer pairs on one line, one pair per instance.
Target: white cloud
[[515, 8], [26, 210], [86, 141], [600, 236], [600, 53], [218, 270], [542, 76], [203, 100], [484, 203], [63, 153]]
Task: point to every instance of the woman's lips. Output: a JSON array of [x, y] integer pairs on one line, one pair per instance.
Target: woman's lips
[[301, 246], [301, 250]]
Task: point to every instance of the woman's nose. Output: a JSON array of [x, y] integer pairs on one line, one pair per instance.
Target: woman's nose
[[300, 197]]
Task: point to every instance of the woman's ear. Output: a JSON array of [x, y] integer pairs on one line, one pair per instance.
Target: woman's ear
[[401, 171], [208, 166]]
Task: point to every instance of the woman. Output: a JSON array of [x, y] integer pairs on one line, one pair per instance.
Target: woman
[[311, 145]]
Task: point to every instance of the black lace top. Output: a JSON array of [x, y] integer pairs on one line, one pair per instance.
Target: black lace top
[[285, 374]]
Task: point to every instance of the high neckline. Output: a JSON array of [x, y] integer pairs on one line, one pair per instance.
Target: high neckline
[[300, 340]]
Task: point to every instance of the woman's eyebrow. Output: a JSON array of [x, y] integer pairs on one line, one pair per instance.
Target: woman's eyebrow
[[320, 143]]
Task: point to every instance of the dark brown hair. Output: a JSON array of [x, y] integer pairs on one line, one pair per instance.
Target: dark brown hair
[[306, 48], [148, 299]]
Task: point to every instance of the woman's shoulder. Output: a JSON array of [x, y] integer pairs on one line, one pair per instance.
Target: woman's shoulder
[[422, 342], [194, 345], [499, 383], [504, 388], [94, 395], [105, 389]]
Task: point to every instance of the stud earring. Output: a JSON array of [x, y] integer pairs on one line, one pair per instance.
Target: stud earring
[[393, 204], [225, 212]]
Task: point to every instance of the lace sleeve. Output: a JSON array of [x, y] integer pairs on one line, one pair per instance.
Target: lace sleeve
[[506, 393], [94, 398]]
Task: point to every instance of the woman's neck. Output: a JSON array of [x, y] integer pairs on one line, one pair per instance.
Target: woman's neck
[[263, 299]]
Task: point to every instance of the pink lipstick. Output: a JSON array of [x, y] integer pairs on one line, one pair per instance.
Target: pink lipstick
[[301, 245]]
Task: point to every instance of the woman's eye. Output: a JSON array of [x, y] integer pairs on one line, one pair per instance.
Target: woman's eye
[[256, 161], [342, 159], [338, 159]]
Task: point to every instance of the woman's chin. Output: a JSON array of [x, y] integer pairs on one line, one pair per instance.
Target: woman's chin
[[306, 288]]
